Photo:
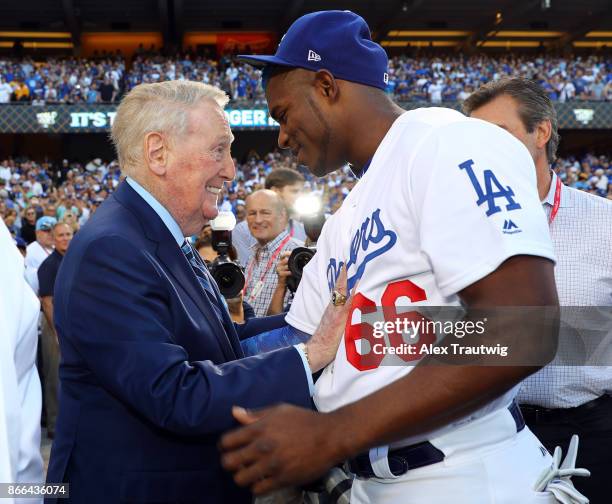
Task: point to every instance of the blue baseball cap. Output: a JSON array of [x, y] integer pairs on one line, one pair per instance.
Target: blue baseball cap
[[337, 41], [45, 223]]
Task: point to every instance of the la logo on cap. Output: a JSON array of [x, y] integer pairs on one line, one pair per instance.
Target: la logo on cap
[[313, 56]]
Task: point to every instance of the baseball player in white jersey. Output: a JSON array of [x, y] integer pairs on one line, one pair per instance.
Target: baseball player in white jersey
[[445, 212]]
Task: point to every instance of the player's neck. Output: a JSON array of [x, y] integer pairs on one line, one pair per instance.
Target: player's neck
[[368, 130]]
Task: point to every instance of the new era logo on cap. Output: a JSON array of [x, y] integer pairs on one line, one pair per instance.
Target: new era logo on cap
[[313, 56]]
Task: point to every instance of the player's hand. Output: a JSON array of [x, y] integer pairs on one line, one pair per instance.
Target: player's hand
[[279, 447], [282, 268], [323, 344]]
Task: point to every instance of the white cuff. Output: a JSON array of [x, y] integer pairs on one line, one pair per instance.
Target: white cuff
[[306, 368]]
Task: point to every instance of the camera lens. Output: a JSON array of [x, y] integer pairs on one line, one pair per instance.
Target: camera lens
[[298, 259], [229, 278]]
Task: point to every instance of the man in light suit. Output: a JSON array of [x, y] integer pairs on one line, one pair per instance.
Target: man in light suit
[[150, 357], [20, 394]]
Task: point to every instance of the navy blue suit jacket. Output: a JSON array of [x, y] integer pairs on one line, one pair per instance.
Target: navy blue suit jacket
[[149, 372]]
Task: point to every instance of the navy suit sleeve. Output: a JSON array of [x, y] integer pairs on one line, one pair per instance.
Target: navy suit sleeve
[[259, 325], [248, 310], [117, 316]]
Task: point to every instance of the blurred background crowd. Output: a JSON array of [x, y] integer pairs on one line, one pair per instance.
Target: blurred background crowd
[[71, 191], [434, 78]]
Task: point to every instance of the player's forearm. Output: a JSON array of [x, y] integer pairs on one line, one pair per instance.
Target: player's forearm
[[437, 392], [428, 398]]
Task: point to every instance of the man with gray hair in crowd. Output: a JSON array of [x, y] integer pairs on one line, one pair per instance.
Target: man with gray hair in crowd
[[151, 361], [288, 184], [39, 250], [559, 401], [266, 217]]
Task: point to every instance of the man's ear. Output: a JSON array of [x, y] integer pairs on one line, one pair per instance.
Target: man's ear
[[156, 152], [326, 84], [543, 133]]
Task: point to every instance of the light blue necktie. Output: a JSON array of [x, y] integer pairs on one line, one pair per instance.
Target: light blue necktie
[[198, 267]]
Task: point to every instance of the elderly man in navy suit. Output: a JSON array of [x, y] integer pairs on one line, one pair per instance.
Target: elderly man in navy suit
[[151, 361]]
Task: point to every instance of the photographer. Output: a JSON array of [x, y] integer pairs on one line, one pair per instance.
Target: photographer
[[288, 184], [291, 263], [267, 221]]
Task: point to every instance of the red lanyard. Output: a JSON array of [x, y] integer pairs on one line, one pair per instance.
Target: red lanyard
[[556, 202], [270, 261]]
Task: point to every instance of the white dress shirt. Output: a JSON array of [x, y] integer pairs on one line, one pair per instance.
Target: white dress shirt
[[35, 255], [20, 392], [582, 237]]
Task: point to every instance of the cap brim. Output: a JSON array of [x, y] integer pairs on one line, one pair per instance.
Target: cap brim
[[259, 61]]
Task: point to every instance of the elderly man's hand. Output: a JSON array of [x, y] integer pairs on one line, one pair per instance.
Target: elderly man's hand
[[323, 344], [280, 447]]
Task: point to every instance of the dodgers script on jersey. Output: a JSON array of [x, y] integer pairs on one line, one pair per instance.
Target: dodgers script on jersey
[[445, 201]]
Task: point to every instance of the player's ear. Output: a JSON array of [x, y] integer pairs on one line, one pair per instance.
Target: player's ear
[[543, 133], [326, 84]]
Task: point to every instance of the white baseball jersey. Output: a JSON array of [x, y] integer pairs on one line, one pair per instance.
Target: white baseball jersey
[[445, 201]]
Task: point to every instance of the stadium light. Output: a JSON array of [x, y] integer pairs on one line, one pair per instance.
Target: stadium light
[[34, 35], [419, 43], [39, 45], [509, 43], [526, 34], [429, 33], [594, 43], [603, 34]]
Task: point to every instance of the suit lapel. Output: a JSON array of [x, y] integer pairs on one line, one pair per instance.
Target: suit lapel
[[228, 322], [174, 260], [176, 263]]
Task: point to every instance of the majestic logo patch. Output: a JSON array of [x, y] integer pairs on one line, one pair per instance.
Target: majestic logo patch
[[313, 56], [510, 227], [489, 195]]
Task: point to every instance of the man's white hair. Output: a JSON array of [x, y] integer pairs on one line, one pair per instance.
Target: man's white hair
[[161, 107]]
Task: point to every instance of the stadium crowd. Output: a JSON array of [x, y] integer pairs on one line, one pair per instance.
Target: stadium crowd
[[71, 192], [434, 78], [454, 77]]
